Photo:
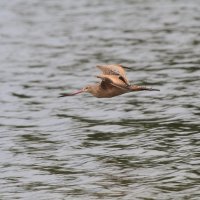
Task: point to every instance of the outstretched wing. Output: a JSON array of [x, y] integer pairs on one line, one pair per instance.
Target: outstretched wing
[[114, 69]]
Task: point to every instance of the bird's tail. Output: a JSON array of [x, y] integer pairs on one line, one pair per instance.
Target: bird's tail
[[140, 88]]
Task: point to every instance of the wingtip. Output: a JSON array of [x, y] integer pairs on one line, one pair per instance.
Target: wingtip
[[125, 67], [99, 66]]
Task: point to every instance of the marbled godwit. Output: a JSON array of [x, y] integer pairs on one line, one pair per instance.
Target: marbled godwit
[[113, 83]]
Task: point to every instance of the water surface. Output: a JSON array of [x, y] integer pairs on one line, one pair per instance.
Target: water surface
[[136, 146]]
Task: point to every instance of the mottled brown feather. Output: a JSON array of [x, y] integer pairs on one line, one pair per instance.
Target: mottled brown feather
[[116, 70]]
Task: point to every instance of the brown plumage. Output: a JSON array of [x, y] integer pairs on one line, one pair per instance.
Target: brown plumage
[[113, 83]]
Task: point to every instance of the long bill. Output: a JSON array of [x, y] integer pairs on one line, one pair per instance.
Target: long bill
[[71, 94]]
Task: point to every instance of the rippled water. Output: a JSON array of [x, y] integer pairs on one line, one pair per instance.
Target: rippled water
[[136, 146]]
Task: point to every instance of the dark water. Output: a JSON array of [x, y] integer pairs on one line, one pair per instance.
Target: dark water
[[135, 146]]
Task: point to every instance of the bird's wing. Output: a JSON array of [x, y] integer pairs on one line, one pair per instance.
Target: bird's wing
[[109, 81], [115, 69]]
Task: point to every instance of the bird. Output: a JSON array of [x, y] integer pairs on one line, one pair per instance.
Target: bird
[[114, 82]]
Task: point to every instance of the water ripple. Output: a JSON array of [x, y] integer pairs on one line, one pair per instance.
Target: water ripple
[[135, 146]]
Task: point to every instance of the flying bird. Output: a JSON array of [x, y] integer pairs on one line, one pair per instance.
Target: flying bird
[[113, 82]]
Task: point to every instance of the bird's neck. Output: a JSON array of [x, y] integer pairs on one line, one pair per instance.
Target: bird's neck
[[95, 90]]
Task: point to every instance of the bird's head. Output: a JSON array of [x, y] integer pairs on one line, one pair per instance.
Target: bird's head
[[88, 88]]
